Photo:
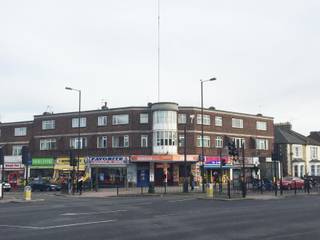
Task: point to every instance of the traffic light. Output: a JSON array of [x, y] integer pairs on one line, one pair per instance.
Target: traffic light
[[72, 159], [1, 156], [233, 151], [223, 162], [25, 155]]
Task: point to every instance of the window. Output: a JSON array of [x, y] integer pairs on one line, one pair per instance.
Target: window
[[120, 141], [167, 117], [206, 141], [22, 131], [75, 122], [262, 144], [297, 151], [313, 170], [239, 142], [48, 124], [120, 119], [144, 118], [261, 126], [181, 140], [75, 142], [314, 152], [296, 171], [219, 142], [237, 123], [301, 170], [218, 121], [318, 170], [206, 119], [144, 141], [182, 118], [102, 142], [102, 120], [47, 144], [16, 150], [166, 138]]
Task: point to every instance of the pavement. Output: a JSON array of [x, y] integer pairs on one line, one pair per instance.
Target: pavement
[[165, 217]]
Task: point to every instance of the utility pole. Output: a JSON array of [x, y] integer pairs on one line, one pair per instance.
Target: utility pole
[[244, 190]]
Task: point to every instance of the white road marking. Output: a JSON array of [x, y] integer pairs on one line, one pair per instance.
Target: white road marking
[[57, 226], [182, 200], [93, 213]]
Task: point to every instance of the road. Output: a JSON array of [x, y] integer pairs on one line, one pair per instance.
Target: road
[[154, 217]]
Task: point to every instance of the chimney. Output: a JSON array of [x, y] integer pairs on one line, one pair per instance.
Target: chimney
[[285, 125], [105, 106]]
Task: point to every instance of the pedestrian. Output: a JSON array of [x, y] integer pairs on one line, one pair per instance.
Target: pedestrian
[[191, 181], [80, 184]]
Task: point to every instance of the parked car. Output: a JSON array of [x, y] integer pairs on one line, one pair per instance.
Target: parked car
[[43, 185], [292, 182], [6, 186]]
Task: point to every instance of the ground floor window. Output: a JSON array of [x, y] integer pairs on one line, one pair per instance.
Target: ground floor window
[[109, 177], [41, 173]]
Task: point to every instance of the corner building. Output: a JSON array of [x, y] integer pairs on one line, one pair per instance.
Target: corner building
[[138, 146]]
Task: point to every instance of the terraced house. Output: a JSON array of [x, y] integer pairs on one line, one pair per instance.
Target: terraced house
[[136, 146]]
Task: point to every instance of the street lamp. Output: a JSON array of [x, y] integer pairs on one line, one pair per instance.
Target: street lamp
[[202, 150], [79, 92]]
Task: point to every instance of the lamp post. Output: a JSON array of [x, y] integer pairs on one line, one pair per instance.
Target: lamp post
[[185, 180], [79, 112], [202, 150]]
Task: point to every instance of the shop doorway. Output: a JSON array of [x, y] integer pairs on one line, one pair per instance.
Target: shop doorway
[[142, 177]]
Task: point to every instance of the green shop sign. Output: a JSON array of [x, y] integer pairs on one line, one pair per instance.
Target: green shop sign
[[42, 162]]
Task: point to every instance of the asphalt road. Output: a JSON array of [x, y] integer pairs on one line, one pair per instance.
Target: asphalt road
[[169, 217]]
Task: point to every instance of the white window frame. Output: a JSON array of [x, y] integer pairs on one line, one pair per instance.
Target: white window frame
[[297, 151], [144, 141], [75, 122], [260, 125], [181, 140], [20, 131], [206, 141], [144, 118], [218, 121], [262, 144], [102, 142], [16, 150], [182, 118], [48, 124], [120, 119], [48, 144], [125, 141], [237, 123], [166, 138], [102, 121], [314, 152], [206, 119], [219, 142], [239, 142], [74, 142]]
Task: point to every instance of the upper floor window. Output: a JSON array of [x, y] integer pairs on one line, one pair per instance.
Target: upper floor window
[[262, 144], [261, 126], [102, 120], [239, 142], [22, 131], [166, 138], [16, 150], [314, 152], [182, 118], [144, 117], [237, 123], [219, 142], [297, 151], [48, 144], [166, 117], [181, 140], [75, 122], [218, 121], [206, 119], [144, 141], [206, 141], [120, 141], [77, 143], [120, 119], [102, 142], [48, 124]]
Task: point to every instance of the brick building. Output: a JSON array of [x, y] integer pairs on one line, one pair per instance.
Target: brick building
[[139, 145]]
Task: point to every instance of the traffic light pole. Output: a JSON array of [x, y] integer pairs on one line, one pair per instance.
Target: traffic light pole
[[243, 173], [220, 180]]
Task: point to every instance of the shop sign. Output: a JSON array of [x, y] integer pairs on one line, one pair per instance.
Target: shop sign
[[215, 161], [13, 166], [13, 159], [110, 160], [48, 162], [64, 164], [163, 158]]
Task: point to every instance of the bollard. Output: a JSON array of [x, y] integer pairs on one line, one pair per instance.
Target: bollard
[[209, 190], [27, 193], [117, 190], [295, 188], [141, 189], [281, 189]]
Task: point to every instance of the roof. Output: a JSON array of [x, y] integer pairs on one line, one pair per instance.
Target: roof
[[287, 136]]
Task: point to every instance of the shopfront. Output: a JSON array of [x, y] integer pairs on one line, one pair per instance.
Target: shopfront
[[14, 171], [109, 171], [42, 168], [163, 169], [62, 168], [215, 169]]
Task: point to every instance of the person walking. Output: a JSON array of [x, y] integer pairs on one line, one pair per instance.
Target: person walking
[[80, 184], [191, 181]]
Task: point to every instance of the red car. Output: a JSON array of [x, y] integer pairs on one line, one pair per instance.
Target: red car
[[292, 182]]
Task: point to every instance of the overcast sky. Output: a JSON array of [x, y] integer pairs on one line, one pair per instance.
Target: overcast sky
[[265, 55]]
